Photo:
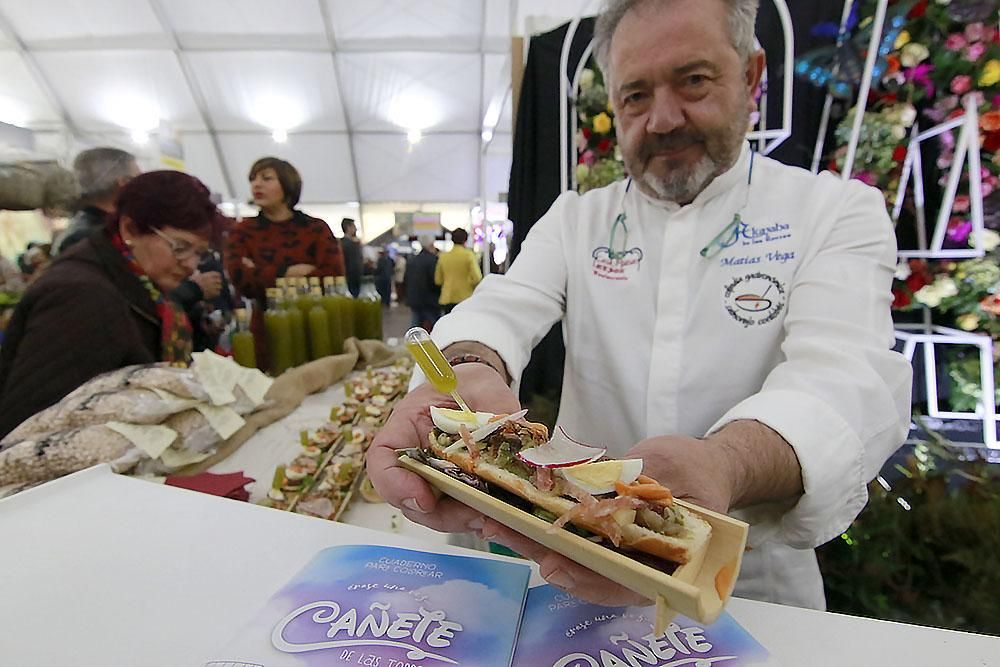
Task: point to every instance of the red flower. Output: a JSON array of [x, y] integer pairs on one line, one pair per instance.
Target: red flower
[[991, 143], [916, 281], [899, 154], [900, 299], [918, 10], [603, 146], [894, 64], [957, 113], [586, 133]]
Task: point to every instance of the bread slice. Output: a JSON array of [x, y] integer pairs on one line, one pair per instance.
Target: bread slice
[[678, 549]]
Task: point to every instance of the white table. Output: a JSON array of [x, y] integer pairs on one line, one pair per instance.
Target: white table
[[99, 569]]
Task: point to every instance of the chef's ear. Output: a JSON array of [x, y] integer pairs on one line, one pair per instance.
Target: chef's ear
[[755, 68]]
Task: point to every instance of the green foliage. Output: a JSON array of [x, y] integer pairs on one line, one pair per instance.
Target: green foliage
[[931, 564]]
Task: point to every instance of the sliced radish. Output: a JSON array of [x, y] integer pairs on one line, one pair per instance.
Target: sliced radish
[[560, 452]]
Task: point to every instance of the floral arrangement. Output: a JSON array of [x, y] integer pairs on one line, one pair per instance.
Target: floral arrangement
[[599, 160], [946, 54]]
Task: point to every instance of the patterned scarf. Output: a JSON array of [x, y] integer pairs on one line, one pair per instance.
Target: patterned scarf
[[175, 329]]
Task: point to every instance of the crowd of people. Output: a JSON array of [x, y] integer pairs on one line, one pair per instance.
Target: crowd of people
[[149, 270]]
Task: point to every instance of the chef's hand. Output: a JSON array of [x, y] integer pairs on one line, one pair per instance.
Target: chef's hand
[[694, 470], [408, 426]]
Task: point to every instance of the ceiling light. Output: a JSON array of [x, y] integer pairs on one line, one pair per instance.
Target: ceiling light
[[354, 204], [487, 136], [413, 135], [140, 137], [279, 135], [135, 113]]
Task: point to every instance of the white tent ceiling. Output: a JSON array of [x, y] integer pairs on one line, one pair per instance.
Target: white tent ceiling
[[346, 78]]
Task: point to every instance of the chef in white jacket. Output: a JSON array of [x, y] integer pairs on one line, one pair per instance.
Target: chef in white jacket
[[726, 317]]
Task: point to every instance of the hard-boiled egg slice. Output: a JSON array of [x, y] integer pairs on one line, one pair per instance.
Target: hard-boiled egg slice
[[449, 420], [600, 477]]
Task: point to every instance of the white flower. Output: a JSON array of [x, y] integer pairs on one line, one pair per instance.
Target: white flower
[[907, 114], [932, 295], [943, 2], [903, 270], [947, 286], [991, 240], [586, 79], [913, 54], [898, 132]]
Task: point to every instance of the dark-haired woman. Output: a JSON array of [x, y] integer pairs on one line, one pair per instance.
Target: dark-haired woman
[[280, 242], [101, 305]]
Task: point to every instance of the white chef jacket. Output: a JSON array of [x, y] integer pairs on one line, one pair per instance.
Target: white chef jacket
[[789, 326]]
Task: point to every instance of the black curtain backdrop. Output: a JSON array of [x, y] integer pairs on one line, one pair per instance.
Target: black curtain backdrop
[[534, 176]]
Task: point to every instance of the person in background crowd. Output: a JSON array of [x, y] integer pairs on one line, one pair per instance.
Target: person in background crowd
[[207, 298], [353, 260], [422, 293], [399, 278], [101, 173], [102, 304], [752, 370], [384, 270], [281, 241], [11, 279], [457, 272]]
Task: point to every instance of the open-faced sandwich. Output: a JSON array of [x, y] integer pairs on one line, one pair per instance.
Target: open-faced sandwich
[[565, 482]]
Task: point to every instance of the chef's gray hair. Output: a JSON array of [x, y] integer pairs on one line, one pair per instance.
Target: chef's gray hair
[[742, 17]]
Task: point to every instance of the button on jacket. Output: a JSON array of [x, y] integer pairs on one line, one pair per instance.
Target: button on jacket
[[788, 325]]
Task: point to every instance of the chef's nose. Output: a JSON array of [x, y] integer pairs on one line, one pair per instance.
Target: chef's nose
[[666, 113]]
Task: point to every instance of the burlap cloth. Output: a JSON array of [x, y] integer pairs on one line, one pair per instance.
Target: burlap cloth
[[292, 386]]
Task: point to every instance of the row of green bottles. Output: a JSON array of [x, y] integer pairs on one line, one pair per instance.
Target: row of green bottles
[[305, 322]]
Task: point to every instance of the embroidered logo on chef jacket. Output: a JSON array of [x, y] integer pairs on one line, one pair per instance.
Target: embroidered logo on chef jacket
[[616, 261], [752, 235], [754, 299]]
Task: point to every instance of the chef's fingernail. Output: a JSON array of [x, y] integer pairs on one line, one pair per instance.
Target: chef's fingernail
[[561, 579], [412, 504], [476, 524]]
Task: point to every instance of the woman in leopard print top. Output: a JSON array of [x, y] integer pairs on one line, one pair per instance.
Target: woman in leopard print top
[[280, 242]]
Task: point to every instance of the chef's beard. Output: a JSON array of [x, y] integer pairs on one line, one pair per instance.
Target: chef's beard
[[683, 183]]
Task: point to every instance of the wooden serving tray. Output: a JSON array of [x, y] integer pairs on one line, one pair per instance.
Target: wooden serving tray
[[698, 589]]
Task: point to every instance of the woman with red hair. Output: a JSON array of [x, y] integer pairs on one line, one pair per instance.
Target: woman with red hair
[[102, 304]]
